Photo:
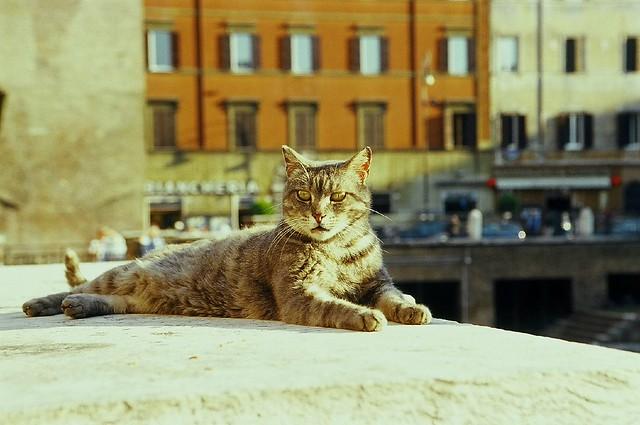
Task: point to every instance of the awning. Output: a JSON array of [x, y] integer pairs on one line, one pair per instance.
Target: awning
[[553, 182]]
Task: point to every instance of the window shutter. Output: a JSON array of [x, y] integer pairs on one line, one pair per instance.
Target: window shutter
[[315, 43], [631, 55], [285, 53], [588, 131], [175, 50], [223, 52], [522, 132], [443, 49], [506, 129], [255, 56], [164, 131], [623, 119], [471, 54], [562, 130], [369, 128], [354, 54], [379, 141], [384, 54], [570, 55]]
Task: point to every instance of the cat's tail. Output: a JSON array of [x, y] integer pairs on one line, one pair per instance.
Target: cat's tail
[[72, 269]]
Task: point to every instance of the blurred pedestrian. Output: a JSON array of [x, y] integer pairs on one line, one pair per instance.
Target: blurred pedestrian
[[109, 245], [151, 240]]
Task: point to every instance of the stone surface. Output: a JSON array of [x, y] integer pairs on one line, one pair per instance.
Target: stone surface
[[166, 370]]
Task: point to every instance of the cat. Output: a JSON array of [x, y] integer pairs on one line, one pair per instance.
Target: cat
[[320, 266]]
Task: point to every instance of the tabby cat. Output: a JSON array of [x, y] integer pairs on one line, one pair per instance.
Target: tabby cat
[[320, 266]]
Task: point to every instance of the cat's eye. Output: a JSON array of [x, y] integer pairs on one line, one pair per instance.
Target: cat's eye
[[303, 195], [338, 196]]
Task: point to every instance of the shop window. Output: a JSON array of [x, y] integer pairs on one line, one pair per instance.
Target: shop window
[[240, 52], [371, 128], [369, 54], [302, 126], [632, 198], [457, 55], [574, 55], [243, 125], [162, 50], [575, 131], [381, 202], [513, 131], [629, 130], [630, 56], [163, 128], [507, 52]]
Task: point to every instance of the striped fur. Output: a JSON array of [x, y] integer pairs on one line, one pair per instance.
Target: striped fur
[[320, 266]]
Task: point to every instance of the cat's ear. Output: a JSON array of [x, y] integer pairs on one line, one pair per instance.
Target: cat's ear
[[292, 160], [360, 163]]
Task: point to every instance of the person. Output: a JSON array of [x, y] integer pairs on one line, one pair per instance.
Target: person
[[151, 240], [454, 228], [108, 246]]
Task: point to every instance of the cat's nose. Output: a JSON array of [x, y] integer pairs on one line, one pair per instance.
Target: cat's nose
[[318, 217]]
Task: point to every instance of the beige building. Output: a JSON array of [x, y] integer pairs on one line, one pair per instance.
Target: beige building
[[71, 122], [565, 103]]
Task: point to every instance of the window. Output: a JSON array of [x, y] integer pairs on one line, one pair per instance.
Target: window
[[369, 54], [630, 54], [507, 54], [513, 131], [302, 126], [242, 52], [574, 60], [162, 50], [629, 130], [464, 129], [239, 52], [163, 117], [575, 131], [371, 125], [300, 53], [457, 55], [242, 125]]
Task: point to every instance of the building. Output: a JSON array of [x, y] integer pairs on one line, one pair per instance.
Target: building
[[71, 122], [228, 83], [565, 104]]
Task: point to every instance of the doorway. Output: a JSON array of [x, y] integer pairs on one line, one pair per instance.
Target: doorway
[[530, 305]]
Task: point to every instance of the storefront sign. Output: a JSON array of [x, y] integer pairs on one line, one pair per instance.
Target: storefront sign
[[554, 182], [206, 187]]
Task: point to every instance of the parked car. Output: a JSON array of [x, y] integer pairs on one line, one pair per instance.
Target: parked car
[[503, 230], [626, 226]]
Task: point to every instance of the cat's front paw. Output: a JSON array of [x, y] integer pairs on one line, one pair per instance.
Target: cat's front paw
[[368, 320], [413, 314]]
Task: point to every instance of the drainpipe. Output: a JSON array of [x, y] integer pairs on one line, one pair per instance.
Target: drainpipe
[[416, 74], [539, 146], [199, 73]]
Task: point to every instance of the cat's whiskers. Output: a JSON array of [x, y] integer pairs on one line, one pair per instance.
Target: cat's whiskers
[[279, 236], [379, 213]]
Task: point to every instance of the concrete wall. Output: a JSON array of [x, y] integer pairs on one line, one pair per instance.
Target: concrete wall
[[490, 261], [71, 135]]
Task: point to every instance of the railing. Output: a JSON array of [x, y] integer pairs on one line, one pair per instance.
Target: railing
[[39, 254]]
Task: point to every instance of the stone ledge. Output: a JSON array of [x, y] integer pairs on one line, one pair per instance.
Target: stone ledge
[[167, 370]]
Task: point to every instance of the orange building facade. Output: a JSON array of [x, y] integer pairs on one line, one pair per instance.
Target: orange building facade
[[324, 76], [418, 96]]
